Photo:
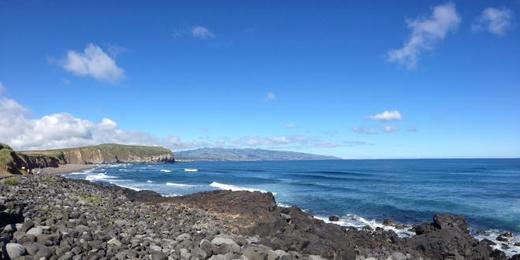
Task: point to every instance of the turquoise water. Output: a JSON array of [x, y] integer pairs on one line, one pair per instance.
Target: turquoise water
[[486, 191]]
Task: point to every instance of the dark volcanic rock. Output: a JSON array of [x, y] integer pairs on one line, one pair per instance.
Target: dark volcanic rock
[[445, 221], [448, 237], [333, 218]]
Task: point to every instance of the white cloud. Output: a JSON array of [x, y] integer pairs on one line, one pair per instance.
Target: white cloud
[[270, 96], [2, 88], [387, 116], [494, 20], [426, 33], [93, 62], [201, 32], [22, 132]]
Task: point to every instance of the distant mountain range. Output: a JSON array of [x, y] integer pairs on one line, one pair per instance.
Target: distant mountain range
[[223, 154]]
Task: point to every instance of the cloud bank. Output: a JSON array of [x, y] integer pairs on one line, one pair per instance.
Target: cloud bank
[[426, 34], [93, 62], [60, 130], [494, 20]]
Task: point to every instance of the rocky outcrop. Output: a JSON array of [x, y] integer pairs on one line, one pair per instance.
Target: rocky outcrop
[[255, 213]]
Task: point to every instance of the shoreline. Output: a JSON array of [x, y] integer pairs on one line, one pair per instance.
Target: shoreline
[[403, 230], [64, 169], [117, 222]]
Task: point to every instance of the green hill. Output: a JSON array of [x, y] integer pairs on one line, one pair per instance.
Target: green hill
[[222, 154]]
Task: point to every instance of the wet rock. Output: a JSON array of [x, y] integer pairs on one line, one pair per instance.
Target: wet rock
[[505, 237], [333, 218]]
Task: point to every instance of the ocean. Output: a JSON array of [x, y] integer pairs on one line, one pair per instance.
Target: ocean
[[360, 192]]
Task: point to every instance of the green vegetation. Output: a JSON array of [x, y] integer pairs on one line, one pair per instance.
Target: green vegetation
[[7, 161], [11, 181], [91, 199]]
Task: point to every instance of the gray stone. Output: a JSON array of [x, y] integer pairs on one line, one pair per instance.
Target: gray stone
[[255, 253], [185, 254], [114, 242], [154, 247], [35, 231], [277, 254], [26, 226], [219, 257], [10, 228], [43, 252], [397, 256], [182, 237], [14, 250], [159, 256], [31, 248], [316, 257]]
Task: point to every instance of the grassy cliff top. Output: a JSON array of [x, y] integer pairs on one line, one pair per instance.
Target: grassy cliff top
[[141, 150]]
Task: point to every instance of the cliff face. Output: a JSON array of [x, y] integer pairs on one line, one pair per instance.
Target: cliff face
[[109, 153], [12, 162]]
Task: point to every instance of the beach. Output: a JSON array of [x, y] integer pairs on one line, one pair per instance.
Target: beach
[[64, 169]]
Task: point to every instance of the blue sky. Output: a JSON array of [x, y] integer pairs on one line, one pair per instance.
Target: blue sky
[[307, 76]]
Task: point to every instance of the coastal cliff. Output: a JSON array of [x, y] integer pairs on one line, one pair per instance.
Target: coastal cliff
[[12, 162]]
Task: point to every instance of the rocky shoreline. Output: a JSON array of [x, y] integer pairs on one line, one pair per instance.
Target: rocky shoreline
[[51, 217]]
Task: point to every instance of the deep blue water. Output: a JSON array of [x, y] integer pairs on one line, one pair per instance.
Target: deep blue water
[[486, 191]]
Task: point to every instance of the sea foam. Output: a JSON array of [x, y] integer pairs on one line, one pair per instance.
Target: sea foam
[[223, 186], [99, 177], [358, 222], [180, 185]]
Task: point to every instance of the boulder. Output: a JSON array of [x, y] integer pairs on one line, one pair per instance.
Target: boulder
[[444, 221], [14, 250], [35, 231], [229, 244]]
